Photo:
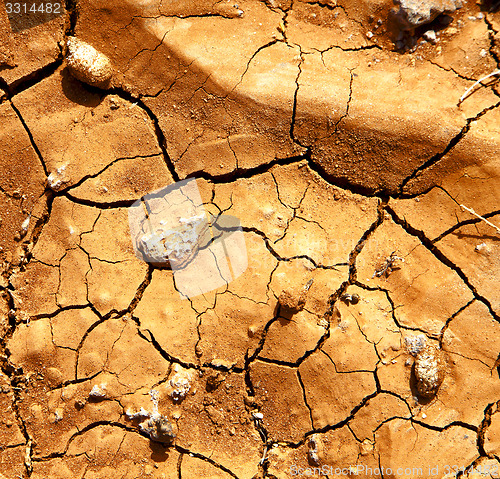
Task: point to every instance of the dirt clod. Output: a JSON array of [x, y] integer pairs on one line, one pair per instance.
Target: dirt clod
[[294, 299]]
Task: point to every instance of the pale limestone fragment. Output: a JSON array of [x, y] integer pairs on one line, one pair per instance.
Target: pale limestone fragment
[[87, 64], [154, 424], [483, 248], [413, 13], [179, 245], [58, 414], [312, 453], [366, 447], [222, 363], [415, 344], [57, 178], [98, 391], [429, 371], [25, 225], [180, 383]]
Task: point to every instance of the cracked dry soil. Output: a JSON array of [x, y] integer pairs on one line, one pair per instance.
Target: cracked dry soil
[[346, 161]]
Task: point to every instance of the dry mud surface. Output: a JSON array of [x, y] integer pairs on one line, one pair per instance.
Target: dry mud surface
[[362, 339]]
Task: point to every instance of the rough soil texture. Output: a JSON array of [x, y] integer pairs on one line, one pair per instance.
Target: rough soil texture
[[337, 140]]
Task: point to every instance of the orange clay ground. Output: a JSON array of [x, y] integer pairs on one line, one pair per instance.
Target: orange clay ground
[[338, 142]]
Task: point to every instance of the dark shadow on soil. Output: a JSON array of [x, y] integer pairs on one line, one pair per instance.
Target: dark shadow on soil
[[78, 92]]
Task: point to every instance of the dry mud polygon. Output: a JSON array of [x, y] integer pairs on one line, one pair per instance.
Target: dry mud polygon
[[368, 200]]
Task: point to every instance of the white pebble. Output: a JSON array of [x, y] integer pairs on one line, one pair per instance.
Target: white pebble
[[86, 64]]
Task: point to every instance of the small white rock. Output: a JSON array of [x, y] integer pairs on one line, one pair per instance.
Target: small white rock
[[88, 65], [482, 248], [429, 371], [180, 383], [430, 36], [98, 391], [25, 225], [58, 415], [57, 178]]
